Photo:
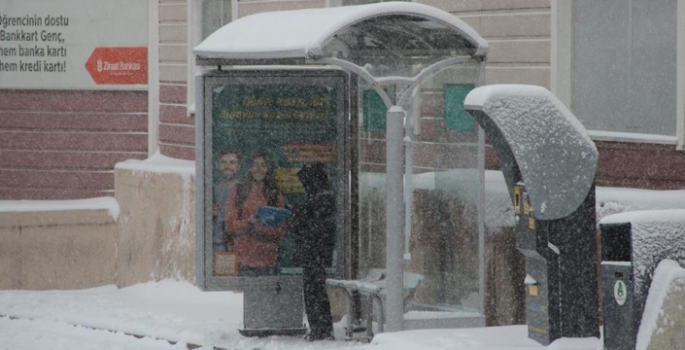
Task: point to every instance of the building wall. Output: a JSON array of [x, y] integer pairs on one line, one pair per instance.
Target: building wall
[[64, 249], [176, 123], [250, 7], [176, 130], [640, 165], [156, 225], [147, 232], [64, 144], [518, 32]]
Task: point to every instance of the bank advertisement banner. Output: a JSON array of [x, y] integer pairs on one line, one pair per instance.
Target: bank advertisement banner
[[263, 134], [73, 44]]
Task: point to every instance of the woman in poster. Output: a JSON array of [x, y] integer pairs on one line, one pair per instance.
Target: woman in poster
[[255, 242]]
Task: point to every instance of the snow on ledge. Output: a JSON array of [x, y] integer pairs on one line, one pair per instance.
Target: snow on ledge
[[662, 283], [108, 203], [632, 137], [647, 216], [158, 163]]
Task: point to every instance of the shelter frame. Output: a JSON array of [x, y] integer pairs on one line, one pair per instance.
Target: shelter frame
[[324, 37]]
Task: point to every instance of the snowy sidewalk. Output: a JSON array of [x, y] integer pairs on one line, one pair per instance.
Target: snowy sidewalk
[[177, 315]]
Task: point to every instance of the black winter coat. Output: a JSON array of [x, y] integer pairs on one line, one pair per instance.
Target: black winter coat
[[314, 228]]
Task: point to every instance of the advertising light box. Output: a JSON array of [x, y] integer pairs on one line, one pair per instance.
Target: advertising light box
[[261, 129]]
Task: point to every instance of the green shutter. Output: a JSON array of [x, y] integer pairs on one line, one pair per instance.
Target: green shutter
[[375, 111], [456, 118]]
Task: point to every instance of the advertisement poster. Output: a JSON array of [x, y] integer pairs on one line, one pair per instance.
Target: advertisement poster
[[73, 44], [263, 133]]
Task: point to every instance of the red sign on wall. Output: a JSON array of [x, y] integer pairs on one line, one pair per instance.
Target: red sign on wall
[[118, 65]]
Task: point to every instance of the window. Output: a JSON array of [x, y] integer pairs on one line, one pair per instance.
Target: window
[[364, 2], [624, 65], [215, 14], [616, 64], [206, 17]]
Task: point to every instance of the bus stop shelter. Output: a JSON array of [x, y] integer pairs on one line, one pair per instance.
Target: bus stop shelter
[[400, 51]]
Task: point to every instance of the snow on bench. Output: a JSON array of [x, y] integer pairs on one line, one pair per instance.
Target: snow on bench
[[373, 286]]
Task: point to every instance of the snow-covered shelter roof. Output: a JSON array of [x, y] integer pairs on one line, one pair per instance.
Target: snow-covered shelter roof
[[388, 29], [536, 136]]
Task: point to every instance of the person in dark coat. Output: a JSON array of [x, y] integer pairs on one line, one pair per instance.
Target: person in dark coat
[[314, 228]]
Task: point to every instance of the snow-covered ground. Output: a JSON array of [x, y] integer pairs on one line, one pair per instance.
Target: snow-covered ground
[[171, 315]]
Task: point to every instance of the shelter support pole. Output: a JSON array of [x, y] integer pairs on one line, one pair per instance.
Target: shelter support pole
[[394, 215]]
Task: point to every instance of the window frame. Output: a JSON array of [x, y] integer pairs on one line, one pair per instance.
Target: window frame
[[561, 74], [195, 31]]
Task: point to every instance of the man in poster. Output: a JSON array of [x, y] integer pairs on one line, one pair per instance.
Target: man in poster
[[229, 164]]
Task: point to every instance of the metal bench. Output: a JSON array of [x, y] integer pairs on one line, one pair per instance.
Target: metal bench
[[373, 286]]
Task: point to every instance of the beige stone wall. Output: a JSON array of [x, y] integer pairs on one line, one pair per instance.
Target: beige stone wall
[[518, 32], [70, 249], [250, 7], [156, 237], [153, 238]]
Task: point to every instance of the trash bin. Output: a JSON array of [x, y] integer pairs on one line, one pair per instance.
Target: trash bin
[[621, 316], [633, 245]]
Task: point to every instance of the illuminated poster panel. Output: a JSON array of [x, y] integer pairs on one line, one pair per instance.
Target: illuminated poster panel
[[264, 129]]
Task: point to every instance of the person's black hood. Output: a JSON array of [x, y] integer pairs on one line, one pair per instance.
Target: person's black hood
[[313, 176]]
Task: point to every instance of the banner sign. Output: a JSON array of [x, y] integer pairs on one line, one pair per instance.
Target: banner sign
[[263, 132], [118, 65], [73, 44]]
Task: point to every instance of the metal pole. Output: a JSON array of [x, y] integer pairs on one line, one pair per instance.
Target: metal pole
[[394, 216], [409, 192], [481, 201], [201, 250], [413, 122], [153, 79]]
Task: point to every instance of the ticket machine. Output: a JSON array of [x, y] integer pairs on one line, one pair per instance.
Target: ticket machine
[[549, 165], [556, 302]]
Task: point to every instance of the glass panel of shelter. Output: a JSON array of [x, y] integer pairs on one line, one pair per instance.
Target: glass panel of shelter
[[397, 45], [444, 242], [445, 178]]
